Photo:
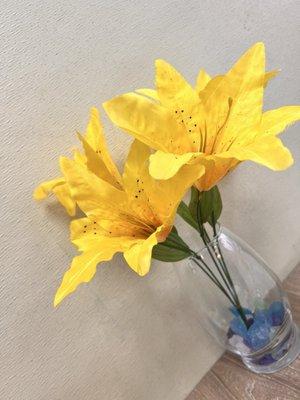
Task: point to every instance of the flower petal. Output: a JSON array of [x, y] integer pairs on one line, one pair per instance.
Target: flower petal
[[84, 232], [58, 187], [157, 201], [95, 138], [236, 102], [268, 151], [79, 157], [138, 185], [165, 165], [215, 169], [136, 167], [138, 256], [202, 80], [210, 84], [90, 192], [171, 85], [96, 164], [168, 193], [210, 88], [181, 99], [45, 188], [151, 93], [63, 194], [83, 267], [270, 75], [246, 80], [275, 121], [147, 121]]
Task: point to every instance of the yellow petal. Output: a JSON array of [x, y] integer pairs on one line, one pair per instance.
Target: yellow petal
[[202, 80], [138, 257], [94, 132], [45, 188], [83, 267], [168, 193], [77, 226], [165, 165], [96, 140], [147, 121], [60, 189], [79, 157], [270, 75], [181, 99], [171, 85], [84, 232], [275, 121], [139, 186], [156, 201], [210, 88], [99, 200], [215, 169], [96, 164], [236, 102], [90, 192], [268, 151], [63, 194], [151, 93], [246, 87], [136, 167]]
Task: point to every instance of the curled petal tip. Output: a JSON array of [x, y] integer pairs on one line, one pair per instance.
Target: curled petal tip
[[260, 44], [56, 302]]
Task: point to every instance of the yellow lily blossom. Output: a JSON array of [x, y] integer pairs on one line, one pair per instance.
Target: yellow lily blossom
[[217, 124], [96, 157], [131, 219]]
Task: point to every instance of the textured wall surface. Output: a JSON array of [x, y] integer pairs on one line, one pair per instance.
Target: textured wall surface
[[121, 337]]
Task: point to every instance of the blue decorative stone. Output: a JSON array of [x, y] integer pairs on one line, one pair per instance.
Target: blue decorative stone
[[257, 335], [279, 353], [238, 327], [235, 312], [276, 313], [259, 327], [266, 360], [261, 315]]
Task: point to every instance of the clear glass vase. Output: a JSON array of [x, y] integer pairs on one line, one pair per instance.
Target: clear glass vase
[[251, 317]]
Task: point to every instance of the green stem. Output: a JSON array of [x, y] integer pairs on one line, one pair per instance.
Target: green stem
[[216, 261], [228, 282], [238, 303], [173, 243], [202, 232], [215, 281]]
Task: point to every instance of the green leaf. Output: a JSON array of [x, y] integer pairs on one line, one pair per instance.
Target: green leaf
[[184, 211], [193, 202], [172, 249], [203, 207], [217, 205], [174, 237], [210, 206], [162, 252]]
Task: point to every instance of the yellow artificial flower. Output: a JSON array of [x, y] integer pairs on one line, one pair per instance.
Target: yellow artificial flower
[[97, 159], [218, 124], [129, 219]]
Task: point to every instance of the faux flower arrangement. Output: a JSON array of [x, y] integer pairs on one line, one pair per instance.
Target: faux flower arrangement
[[185, 138]]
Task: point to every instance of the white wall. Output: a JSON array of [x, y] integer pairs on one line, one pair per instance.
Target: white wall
[[120, 337]]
